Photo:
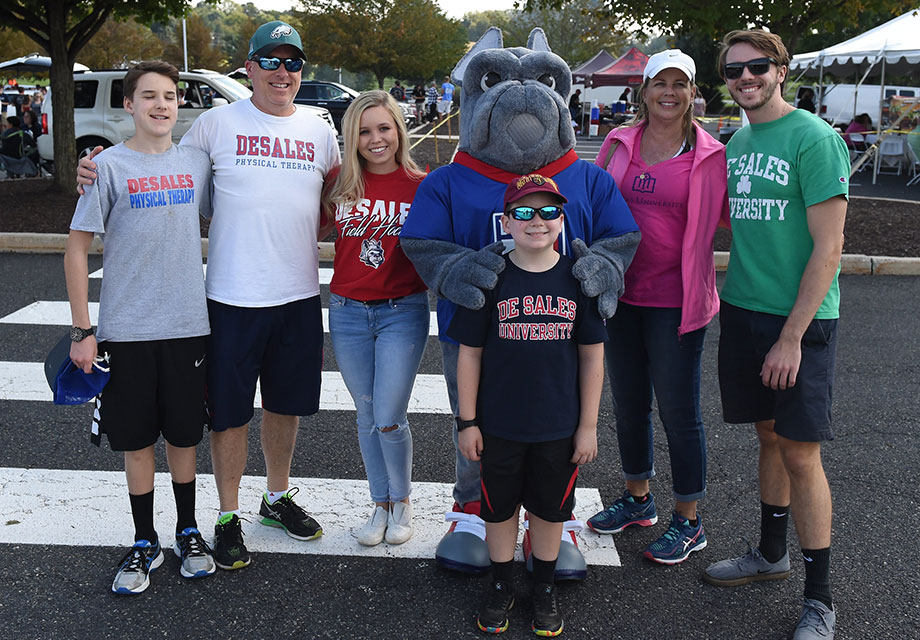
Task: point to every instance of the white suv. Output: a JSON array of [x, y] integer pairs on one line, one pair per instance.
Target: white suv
[[100, 118]]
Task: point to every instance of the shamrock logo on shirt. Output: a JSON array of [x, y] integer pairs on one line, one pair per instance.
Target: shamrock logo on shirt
[[744, 186]]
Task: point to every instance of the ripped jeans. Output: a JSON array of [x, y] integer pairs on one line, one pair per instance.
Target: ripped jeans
[[378, 349]]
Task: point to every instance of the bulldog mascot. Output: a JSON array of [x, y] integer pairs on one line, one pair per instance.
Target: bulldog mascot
[[514, 121]]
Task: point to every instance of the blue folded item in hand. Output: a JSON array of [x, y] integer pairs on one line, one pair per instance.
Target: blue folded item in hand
[[69, 384]]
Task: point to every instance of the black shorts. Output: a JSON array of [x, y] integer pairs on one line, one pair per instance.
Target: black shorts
[[535, 474], [802, 412], [157, 387], [281, 346]]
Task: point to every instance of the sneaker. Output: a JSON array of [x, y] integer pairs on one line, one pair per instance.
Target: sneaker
[[624, 512], [371, 534], [817, 621], [678, 542], [399, 523], [463, 548], [284, 513], [547, 621], [229, 550], [195, 554], [751, 567], [134, 568], [493, 617]]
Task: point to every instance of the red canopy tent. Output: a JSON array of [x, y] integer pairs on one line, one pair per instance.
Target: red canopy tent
[[626, 71]]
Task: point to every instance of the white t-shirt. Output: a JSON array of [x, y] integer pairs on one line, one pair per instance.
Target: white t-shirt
[[268, 178]]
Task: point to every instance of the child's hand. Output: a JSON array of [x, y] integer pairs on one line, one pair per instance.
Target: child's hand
[[585, 445], [470, 442]]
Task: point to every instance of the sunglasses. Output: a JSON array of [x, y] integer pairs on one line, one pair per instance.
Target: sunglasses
[[550, 212], [270, 64], [757, 66]]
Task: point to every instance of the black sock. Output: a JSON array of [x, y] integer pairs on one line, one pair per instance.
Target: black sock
[[142, 512], [817, 575], [544, 570], [185, 505], [773, 523], [639, 500], [503, 571]]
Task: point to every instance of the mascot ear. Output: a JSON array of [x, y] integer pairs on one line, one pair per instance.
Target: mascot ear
[[537, 41], [491, 39]]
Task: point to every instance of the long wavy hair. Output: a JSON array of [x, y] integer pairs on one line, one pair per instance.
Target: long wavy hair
[[349, 187], [642, 112]]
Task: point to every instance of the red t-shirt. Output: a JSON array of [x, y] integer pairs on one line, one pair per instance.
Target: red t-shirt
[[369, 263]]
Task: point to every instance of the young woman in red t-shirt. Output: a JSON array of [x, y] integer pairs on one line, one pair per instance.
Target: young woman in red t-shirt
[[378, 307]]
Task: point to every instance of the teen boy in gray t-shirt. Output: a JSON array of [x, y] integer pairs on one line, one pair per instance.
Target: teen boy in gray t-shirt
[[152, 314]]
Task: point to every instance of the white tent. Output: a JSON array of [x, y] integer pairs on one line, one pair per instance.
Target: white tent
[[34, 62], [897, 43]]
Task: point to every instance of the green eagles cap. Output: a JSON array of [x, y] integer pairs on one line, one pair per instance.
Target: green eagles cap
[[274, 34]]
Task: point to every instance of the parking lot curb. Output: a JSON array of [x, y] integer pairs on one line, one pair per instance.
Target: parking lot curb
[[850, 264]]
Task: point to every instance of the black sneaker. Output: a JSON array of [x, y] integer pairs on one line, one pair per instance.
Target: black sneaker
[[284, 513], [547, 621], [493, 617], [229, 550]]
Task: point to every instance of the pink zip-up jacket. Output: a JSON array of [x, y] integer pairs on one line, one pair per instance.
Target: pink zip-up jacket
[[707, 206]]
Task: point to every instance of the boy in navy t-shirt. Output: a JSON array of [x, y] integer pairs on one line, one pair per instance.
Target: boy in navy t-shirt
[[529, 376]]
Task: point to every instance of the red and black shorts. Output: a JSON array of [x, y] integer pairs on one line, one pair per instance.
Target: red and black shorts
[[156, 387], [538, 475]]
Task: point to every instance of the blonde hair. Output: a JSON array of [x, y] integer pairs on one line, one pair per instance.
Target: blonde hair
[[349, 186], [642, 113]]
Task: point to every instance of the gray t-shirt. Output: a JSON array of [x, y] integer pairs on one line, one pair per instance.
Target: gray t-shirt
[[145, 208]]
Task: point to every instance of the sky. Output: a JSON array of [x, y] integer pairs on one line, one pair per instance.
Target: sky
[[453, 8]]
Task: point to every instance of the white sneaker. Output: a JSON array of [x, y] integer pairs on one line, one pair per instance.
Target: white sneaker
[[399, 523], [372, 533]]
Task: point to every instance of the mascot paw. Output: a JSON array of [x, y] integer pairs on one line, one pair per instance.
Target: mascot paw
[[570, 564], [475, 272], [463, 548], [607, 304], [594, 272]]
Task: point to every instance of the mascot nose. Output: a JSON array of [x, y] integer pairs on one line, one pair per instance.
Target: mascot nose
[[526, 130]]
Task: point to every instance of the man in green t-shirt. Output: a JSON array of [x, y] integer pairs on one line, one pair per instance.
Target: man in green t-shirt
[[788, 174]]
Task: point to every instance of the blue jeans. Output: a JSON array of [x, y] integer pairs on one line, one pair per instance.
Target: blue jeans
[[378, 349], [467, 487], [645, 356]]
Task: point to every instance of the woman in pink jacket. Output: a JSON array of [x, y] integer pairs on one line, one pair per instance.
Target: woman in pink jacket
[[673, 176]]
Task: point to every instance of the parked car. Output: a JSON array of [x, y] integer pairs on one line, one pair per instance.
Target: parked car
[[336, 97], [100, 118]]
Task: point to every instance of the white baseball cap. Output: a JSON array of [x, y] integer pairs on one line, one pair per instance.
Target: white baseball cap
[[670, 59]]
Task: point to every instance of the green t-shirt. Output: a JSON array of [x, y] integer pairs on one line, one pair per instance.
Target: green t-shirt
[[775, 171]]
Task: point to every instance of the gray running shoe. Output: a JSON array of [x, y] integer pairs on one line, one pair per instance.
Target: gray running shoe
[[134, 568], [751, 567], [197, 560], [816, 623]]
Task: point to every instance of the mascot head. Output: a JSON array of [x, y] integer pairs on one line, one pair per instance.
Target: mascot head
[[514, 103]]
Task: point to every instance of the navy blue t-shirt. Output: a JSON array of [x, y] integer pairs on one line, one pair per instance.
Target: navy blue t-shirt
[[530, 328]]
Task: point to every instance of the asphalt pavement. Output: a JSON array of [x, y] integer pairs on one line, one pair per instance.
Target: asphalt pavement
[[62, 591]]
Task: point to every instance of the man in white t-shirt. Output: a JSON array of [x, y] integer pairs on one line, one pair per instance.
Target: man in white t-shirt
[[269, 160]]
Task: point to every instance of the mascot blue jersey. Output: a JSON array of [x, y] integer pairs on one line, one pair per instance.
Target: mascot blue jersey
[[462, 203]]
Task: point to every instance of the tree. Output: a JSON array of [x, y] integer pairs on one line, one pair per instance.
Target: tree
[[202, 52], [62, 28], [791, 19], [396, 38], [16, 43], [118, 43]]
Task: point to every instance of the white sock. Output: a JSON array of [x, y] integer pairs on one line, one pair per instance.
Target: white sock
[[221, 514], [272, 496]]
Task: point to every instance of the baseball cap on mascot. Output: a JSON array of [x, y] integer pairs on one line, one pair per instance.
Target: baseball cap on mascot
[[272, 35]]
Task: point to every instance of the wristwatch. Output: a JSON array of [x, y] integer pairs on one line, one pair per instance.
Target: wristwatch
[[78, 334], [465, 424]]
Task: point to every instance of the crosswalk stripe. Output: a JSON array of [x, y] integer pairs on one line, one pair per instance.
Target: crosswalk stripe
[[325, 274], [26, 381], [45, 312], [73, 504]]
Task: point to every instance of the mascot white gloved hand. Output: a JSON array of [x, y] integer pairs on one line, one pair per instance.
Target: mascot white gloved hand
[[514, 121]]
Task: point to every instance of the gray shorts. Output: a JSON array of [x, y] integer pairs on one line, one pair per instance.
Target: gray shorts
[[802, 412]]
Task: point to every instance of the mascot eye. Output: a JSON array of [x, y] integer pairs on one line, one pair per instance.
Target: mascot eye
[[548, 80], [489, 80]]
